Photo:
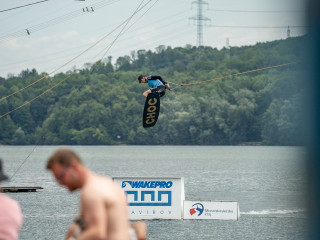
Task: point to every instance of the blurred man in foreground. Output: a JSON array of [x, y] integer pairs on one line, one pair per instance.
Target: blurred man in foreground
[[103, 203], [10, 214]]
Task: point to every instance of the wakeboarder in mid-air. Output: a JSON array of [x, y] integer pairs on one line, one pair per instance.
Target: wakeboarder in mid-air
[[156, 84], [157, 89]]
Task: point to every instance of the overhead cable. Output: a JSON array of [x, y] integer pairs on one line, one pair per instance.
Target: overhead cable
[[22, 6], [235, 26], [28, 102], [257, 11], [54, 21]]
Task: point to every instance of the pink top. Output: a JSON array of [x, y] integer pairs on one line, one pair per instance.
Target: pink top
[[10, 218]]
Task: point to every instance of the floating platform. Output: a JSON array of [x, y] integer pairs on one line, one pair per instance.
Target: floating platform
[[20, 189]]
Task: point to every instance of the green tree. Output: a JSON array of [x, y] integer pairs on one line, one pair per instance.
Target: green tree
[[99, 103], [19, 137], [242, 116]]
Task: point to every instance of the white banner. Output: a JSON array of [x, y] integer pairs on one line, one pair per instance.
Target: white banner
[[153, 198], [224, 210]]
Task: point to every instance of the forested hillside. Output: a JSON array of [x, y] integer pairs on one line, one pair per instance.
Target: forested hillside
[[103, 104]]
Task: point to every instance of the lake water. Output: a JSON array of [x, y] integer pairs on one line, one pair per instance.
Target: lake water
[[268, 182]]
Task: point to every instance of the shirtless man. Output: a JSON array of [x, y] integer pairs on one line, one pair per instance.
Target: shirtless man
[[104, 213]]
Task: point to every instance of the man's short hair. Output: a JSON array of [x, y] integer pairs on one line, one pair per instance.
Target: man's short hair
[[63, 157], [141, 76]]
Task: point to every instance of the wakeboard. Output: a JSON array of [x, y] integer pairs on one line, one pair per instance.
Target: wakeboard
[[151, 110]]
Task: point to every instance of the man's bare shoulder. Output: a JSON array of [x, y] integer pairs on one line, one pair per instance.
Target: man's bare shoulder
[[103, 187]]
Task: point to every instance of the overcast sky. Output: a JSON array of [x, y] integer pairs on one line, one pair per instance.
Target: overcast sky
[[55, 35]]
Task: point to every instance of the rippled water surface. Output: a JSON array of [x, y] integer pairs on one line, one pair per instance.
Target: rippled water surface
[[268, 183]]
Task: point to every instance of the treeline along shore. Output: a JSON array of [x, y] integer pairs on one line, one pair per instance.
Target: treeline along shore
[[102, 103]]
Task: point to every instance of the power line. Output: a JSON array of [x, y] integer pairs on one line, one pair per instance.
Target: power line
[[235, 26], [123, 28], [28, 102], [96, 43], [43, 93], [23, 162], [257, 11], [241, 73], [22, 6], [177, 33], [56, 20]]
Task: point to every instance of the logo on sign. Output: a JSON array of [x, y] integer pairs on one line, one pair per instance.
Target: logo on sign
[[196, 208], [149, 197], [147, 184]]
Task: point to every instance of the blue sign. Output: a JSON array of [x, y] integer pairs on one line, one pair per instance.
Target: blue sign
[[155, 197], [142, 202], [147, 184]]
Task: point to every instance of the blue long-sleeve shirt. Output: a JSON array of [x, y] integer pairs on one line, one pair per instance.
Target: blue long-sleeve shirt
[[156, 81]]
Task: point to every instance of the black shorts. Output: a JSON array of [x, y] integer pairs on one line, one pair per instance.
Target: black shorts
[[161, 90]]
